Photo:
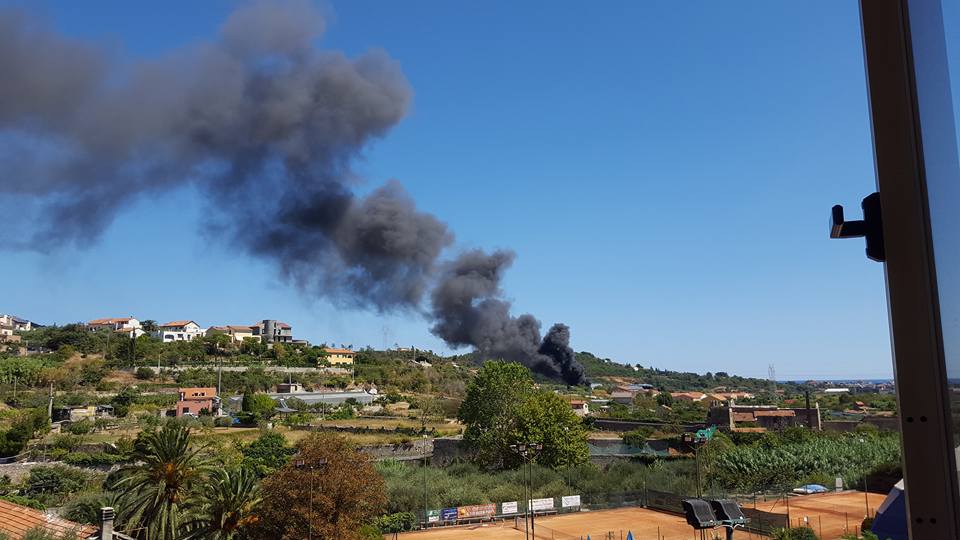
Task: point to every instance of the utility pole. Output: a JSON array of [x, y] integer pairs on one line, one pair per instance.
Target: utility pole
[[50, 405], [424, 479]]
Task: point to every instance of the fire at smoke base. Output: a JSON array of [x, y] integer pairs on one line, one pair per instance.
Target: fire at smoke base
[[267, 126]]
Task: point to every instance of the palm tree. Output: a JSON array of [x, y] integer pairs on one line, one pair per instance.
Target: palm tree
[[155, 490], [228, 504]]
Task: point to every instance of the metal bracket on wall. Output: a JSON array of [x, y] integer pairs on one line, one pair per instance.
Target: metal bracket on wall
[[870, 228]]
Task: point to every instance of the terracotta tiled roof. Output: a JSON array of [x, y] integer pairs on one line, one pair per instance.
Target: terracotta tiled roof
[[110, 320], [774, 413], [337, 351], [692, 395], [176, 324], [743, 417], [16, 520], [238, 327], [283, 325]]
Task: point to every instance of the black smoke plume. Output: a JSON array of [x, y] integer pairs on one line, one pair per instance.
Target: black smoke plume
[[263, 123], [469, 310]]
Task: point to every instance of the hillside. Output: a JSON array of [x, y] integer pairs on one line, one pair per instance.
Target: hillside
[[599, 369]]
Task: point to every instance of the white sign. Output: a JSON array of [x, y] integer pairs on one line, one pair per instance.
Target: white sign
[[509, 508], [839, 483], [541, 504], [570, 500]]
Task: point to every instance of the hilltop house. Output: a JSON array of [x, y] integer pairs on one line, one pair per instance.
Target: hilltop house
[[733, 417], [7, 330], [339, 357], [688, 396], [273, 331], [236, 332], [121, 325], [196, 399], [580, 407], [17, 324], [178, 331]]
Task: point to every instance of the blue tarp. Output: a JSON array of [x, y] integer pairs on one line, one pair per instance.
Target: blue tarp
[[890, 522]]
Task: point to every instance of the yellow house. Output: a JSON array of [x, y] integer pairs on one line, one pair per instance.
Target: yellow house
[[339, 356]]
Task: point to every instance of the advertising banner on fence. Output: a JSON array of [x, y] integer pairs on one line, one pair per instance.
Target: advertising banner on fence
[[476, 511], [508, 507], [541, 504], [433, 516], [448, 514], [569, 501]]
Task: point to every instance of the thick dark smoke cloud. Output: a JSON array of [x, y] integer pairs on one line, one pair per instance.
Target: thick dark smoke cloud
[[469, 310], [264, 124]]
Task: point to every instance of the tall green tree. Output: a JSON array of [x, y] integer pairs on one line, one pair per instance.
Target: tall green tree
[[155, 491], [489, 411], [226, 508], [502, 407], [546, 418]]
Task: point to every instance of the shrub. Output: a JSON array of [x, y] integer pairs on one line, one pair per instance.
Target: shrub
[[637, 437], [223, 421], [66, 441], [82, 427], [795, 533], [53, 480], [84, 459], [24, 501], [145, 373], [399, 522]]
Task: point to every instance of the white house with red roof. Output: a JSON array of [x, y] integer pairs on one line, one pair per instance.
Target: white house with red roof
[[179, 331], [121, 325]]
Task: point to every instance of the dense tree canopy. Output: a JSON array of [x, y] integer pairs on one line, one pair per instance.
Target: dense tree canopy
[[502, 407], [328, 488]]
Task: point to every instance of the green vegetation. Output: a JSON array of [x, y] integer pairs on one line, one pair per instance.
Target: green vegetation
[[775, 461], [27, 424], [795, 533], [226, 508], [502, 407], [156, 490], [466, 483], [267, 453]]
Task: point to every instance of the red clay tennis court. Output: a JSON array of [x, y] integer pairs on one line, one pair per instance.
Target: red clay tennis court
[[831, 513]]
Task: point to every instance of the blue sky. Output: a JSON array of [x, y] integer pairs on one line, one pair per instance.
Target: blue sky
[[664, 171]]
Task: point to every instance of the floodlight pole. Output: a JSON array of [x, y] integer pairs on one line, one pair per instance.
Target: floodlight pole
[[527, 452], [425, 480]]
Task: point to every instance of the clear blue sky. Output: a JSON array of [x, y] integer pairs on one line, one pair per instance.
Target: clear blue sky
[[664, 171]]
